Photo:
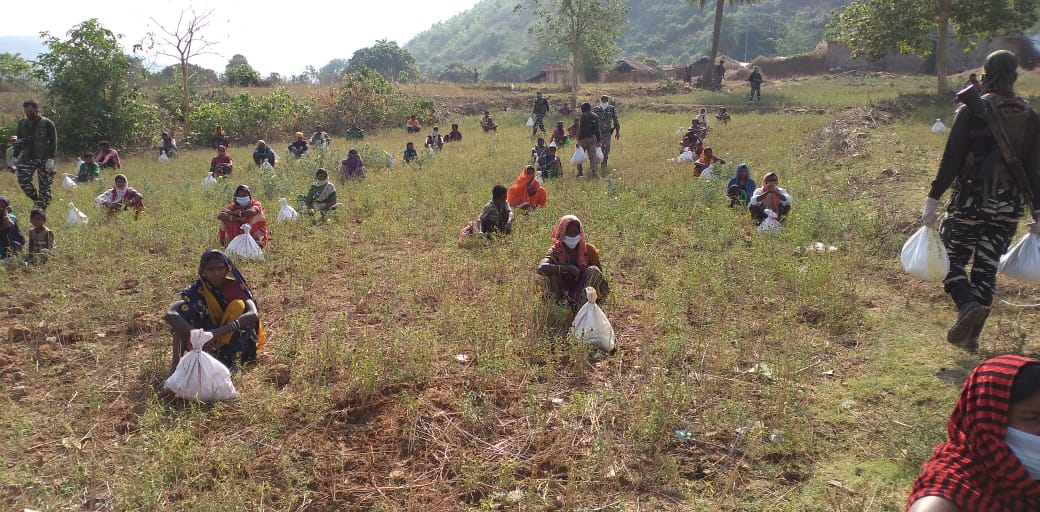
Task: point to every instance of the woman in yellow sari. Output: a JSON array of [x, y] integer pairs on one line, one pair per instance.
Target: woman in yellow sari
[[220, 302]]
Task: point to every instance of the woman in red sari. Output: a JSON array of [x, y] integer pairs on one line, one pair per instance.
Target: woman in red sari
[[991, 460], [243, 210]]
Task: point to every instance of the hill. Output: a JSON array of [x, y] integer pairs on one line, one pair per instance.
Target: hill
[[493, 38]]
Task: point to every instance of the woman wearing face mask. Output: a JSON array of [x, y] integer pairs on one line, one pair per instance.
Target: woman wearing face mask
[[991, 461], [572, 264], [120, 197], [243, 210], [322, 195]]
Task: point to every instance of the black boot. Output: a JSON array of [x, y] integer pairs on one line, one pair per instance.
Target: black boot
[[970, 317], [972, 345]]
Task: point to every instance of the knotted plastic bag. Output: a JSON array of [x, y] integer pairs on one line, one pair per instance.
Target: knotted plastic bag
[[924, 255], [530, 121], [679, 132], [687, 156], [579, 156], [598, 157], [287, 213], [76, 217], [708, 172], [163, 157], [1022, 261], [938, 127], [200, 376], [591, 325], [243, 246], [771, 224], [69, 182], [266, 166], [209, 180]]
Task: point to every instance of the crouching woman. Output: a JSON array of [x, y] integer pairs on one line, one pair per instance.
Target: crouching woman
[[571, 265]]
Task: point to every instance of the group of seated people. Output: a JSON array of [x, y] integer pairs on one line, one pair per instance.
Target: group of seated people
[[12, 242], [770, 197], [545, 159]]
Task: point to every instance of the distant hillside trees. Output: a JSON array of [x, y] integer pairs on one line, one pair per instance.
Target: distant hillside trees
[[238, 72], [14, 70], [387, 58]]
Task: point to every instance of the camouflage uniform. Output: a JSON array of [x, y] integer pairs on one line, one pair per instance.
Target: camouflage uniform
[[608, 124], [987, 202], [541, 107], [39, 145], [756, 84]]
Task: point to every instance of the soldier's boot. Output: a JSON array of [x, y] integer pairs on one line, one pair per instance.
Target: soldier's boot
[[970, 314], [972, 344]]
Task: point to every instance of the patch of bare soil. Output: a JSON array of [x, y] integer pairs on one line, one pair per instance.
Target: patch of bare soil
[[845, 136]]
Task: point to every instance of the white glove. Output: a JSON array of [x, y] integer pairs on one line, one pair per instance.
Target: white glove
[[50, 164], [929, 216]]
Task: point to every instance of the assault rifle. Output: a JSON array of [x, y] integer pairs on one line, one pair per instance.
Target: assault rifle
[[969, 96]]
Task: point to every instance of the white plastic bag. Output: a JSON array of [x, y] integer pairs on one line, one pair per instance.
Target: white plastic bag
[[707, 172], [163, 157], [287, 213], [687, 156], [266, 166], [530, 121], [243, 246], [938, 127], [591, 325], [679, 132], [579, 156], [924, 255], [69, 182], [209, 180], [771, 224], [1022, 261], [598, 157], [76, 217], [200, 376]]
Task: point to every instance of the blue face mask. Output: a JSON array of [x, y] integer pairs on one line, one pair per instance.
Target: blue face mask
[[1026, 447], [243, 201]]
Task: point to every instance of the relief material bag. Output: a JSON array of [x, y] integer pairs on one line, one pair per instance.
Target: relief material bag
[[771, 224], [924, 255], [76, 217], [708, 172], [938, 127], [530, 121], [199, 375], [598, 157], [687, 156], [266, 166], [287, 213], [209, 180], [591, 325], [243, 246], [1022, 261], [579, 156], [163, 157], [69, 182]]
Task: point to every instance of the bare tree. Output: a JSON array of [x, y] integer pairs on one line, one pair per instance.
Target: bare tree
[[716, 33], [183, 42]]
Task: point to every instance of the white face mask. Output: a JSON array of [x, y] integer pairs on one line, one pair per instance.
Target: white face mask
[[322, 183], [571, 241], [243, 201], [1027, 448]]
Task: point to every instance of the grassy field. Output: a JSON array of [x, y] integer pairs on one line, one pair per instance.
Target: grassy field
[[808, 381]]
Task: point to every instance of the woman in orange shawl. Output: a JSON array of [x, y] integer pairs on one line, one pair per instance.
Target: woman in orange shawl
[[527, 194], [572, 264], [243, 210]]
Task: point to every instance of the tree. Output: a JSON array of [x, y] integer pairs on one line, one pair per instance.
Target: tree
[[13, 68], [333, 71], [871, 27], [87, 79], [238, 72], [387, 58], [716, 34], [183, 42], [456, 72], [586, 30]]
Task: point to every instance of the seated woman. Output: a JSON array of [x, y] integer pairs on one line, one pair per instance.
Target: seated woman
[[322, 195], [571, 265], [353, 166], [740, 187], [220, 302], [549, 164], [769, 197], [107, 156], [707, 159], [527, 194], [454, 135], [487, 123], [413, 125], [990, 460], [120, 197], [168, 144], [219, 139], [263, 153], [221, 165], [722, 115], [11, 238], [559, 135], [243, 210], [320, 138], [299, 146]]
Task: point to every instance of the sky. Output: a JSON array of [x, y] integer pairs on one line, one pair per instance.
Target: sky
[[281, 37]]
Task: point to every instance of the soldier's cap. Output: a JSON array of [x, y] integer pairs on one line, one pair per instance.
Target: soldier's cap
[[1000, 71]]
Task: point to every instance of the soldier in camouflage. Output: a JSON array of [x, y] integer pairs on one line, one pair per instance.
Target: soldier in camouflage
[[608, 123], [34, 154], [541, 107], [987, 199]]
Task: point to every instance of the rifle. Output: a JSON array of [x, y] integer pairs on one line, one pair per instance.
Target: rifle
[[978, 106]]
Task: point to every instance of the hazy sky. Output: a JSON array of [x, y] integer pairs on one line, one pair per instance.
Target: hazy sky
[[280, 37]]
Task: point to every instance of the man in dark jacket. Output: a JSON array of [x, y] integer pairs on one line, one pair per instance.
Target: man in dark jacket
[[34, 151], [588, 138]]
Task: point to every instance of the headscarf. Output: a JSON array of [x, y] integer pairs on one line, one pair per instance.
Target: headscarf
[[975, 468], [321, 192], [204, 304], [116, 196], [581, 257], [253, 203], [1000, 72], [7, 204], [518, 194]]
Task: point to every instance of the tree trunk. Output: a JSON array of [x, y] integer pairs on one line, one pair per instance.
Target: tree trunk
[[187, 98], [945, 8], [713, 53], [574, 75]]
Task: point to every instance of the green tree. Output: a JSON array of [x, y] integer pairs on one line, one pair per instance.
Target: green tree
[[333, 71], [387, 58], [184, 41], [87, 79], [871, 27], [586, 30], [13, 68], [456, 72], [716, 33], [238, 72]]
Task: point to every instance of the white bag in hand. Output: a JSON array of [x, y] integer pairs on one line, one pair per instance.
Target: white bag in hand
[[591, 325], [200, 376], [530, 121], [1022, 261], [209, 180], [163, 157], [579, 156], [687, 156], [287, 213], [771, 224], [266, 166], [938, 127], [598, 157], [924, 255], [69, 182], [243, 246], [76, 217]]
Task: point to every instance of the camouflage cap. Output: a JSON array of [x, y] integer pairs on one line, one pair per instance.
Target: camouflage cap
[[1000, 71]]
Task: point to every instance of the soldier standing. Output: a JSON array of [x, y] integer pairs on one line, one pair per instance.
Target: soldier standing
[[34, 151], [541, 107], [993, 155], [608, 123]]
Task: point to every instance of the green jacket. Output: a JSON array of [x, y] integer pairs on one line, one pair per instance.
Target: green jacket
[[42, 137]]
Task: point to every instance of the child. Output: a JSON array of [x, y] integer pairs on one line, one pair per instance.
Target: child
[[454, 135], [409, 152], [89, 170], [572, 131], [722, 115], [41, 239], [706, 160], [413, 125], [538, 150], [702, 117], [487, 123]]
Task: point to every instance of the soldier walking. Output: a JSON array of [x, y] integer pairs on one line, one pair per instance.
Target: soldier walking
[[608, 123], [34, 153], [541, 107]]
